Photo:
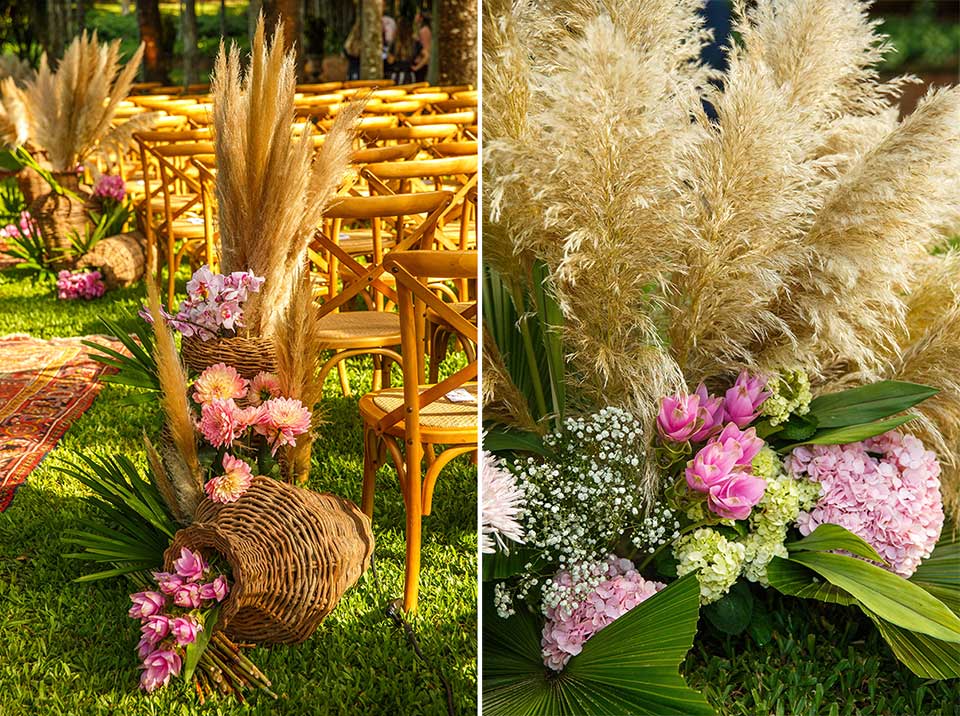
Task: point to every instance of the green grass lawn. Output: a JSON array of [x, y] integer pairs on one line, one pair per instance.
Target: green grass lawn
[[68, 648]]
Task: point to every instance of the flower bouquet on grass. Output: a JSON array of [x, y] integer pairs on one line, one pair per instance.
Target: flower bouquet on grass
[[721, 349], [222, 550]]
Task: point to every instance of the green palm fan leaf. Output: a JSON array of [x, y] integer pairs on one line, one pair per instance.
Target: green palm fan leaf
[[630, 667]]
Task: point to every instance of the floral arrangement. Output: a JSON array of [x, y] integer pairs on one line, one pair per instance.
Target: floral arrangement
[[736, 371], [214, 304], [25, 227], [173, 616], [72, 285]]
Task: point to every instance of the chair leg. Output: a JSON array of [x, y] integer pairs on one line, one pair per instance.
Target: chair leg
[[376, 380], [371, 455], [344, 380], [411, 583], [171, 274]]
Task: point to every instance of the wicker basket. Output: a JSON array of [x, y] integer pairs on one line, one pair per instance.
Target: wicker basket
[[32, 185], [292, 554], [121, 259], [248, 355], [60, 216]]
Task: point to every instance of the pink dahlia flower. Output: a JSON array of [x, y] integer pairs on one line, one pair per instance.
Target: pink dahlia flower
[[282, 420], [741, 403], [885, 489], [158, 667], [190, 565], [219, 382], [234, 481], [500, 502], [221, 422], [264, 387], [566, 631], [146, 604]]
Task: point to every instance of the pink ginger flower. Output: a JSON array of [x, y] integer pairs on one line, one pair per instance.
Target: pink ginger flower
[[712, 465], [168, 582], [146, 604], [155, 627], [264, 387], [501, 499], [566, 631], [219, 382], [144, 647], [736, 497], [282, 420], [678, 419], [221, 422], [158, 667], [885, 490], [748, 441], [709, 413], [229, 486], [741, 403], [190, 565], [184, 630], [215, 590], [188, 595]]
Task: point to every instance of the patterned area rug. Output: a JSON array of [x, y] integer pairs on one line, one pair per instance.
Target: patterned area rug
[[44, 387]]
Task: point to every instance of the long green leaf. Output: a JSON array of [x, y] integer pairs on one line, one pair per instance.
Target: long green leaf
[[868, 403], [195, 650], [796, 580], [943, 566], [925, 656], [498, 440], [630, 667], [551, 324], [499, 566], [850, 434], [828, 537], [887, 595]]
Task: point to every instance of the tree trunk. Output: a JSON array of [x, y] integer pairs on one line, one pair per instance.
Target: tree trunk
[[371, 38], [457, 42], [223, 18], [155, 60], [288, 11], [58, 30], [188, 29]]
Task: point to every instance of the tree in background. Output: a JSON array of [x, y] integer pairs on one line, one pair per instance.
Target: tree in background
[[156, 41], [188, 31], [456, 41], [371, 34], [290, 12]]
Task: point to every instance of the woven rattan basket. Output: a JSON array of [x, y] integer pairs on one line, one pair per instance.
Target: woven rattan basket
[[248, 355], [121, 259], [292, 554], [60, 216], [31, 184]]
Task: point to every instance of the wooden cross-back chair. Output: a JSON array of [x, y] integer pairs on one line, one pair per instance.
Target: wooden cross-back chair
[[424, 134], [178, 189], [454, 149], [392, 177], [376, 331], [408, 422]]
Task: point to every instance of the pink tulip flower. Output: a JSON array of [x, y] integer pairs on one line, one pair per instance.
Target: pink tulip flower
[[709, 414], [748, 441], [188, 595]]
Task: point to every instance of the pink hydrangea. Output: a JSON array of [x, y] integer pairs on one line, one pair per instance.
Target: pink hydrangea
[[281, 420], [263, 387], [110, 186], [885, 489], [234, 481], [219, 382], [81, 284], [566, 631]]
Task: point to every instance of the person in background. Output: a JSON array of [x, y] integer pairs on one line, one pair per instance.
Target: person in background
[[421, 46], [389, 34], [401, 54], [351, 48]]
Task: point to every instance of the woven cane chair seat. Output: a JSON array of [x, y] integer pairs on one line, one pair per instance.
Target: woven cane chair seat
[[458, 306], [360, 329], [441, 421]]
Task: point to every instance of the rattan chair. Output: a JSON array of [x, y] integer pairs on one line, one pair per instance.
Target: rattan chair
[[407, 422]]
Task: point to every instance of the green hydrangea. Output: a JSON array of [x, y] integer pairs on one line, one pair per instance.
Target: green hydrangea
[[767, 464], [782, 502], [790, 394], [718, 560]]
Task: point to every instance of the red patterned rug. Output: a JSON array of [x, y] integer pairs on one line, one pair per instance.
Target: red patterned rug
[[44, 387]]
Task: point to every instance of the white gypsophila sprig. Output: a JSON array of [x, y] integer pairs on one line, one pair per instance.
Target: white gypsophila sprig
[[577, 504], [657, 528]]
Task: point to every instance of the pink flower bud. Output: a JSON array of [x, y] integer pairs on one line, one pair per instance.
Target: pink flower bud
[[146, 604], [709, 414], [217, 589], [735, 498]]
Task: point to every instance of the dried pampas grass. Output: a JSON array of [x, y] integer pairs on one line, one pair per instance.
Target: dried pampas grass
[[71, 110], [180, 456], [271, 192], [14, 125], [791, 227]]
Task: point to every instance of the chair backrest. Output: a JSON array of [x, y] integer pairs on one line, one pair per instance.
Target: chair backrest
[[412, 272], [454, 149], [396, 152], [423, 168], [405, 134], [466, 117]]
